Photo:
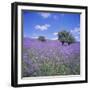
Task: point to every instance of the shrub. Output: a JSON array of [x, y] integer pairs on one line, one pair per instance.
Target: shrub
[[66, 37], [41, 38]]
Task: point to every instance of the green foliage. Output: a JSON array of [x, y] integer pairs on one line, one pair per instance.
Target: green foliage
[[65, 36], [49, 69], [41, 38], [70, 39]]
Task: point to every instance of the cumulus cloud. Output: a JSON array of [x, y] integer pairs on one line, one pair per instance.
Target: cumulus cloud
[[45, 15], [76, 30], [42, 27], [55, 38], [55, 33], [77, 38], [76, 33], [35, 37]]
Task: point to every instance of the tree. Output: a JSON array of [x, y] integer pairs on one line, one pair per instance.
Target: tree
[[70, 39], [66, 37], [41, 38]]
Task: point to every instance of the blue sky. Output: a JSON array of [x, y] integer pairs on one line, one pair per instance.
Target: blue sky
[[49, 23]]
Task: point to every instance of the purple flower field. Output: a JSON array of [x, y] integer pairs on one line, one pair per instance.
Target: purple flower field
[[50, 58]]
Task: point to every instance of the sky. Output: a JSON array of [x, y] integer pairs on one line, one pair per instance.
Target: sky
[[48, 24]]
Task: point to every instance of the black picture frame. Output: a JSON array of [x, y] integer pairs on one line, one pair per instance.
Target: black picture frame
[[14, 43]]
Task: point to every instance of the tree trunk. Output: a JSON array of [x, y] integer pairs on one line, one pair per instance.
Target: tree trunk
[[62, 43], [69, 43]]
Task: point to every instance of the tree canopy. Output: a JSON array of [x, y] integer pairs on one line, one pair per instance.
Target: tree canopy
[[66, 37], [41, 38]]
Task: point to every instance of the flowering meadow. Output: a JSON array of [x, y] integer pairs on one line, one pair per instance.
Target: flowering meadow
[[50, 58]]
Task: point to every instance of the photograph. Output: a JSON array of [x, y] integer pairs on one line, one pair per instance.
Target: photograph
[[48, 43], [51, 43]]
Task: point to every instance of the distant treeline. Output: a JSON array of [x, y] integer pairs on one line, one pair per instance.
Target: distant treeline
[[63, 37]]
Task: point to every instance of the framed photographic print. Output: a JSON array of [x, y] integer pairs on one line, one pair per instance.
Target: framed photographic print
[[49, 44]]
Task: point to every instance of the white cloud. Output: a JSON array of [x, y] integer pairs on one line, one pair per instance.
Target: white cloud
[[45, 15], [76, 30], [77, 37], [42, 27], [55, 38], [35, 37], [76, 33], [55, 33]]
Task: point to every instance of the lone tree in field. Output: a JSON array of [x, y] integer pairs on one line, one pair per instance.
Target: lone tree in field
[[41, 38], [66, 37]]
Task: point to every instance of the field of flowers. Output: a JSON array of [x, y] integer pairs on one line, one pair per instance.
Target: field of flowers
[[50, 58]]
